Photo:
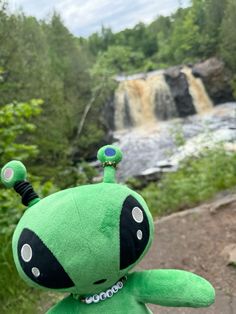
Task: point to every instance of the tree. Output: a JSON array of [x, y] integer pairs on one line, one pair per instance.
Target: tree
[[228, 35], [185, 42], [117, 60], [214, 14], [15, 121]]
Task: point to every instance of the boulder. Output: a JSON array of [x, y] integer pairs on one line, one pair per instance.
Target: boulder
[[180, 91], [216, 79]]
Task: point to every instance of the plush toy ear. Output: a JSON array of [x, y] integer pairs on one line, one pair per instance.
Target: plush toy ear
[[14, 174]]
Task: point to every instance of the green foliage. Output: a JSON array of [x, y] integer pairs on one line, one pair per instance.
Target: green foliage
[[177, 134], [43, 60], [117, 60], [228, 35], [75, 176], [15, 296], [74, 79], [204, 29], [73, 76], [185, 38], [196, 181], [14, 121]]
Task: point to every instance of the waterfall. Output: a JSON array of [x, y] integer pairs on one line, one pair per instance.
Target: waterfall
[[161, 98], [141, 102], [133, 106], [145, 99], [201, 100]]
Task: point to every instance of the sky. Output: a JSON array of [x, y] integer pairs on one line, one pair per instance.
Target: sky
[[84, 17]]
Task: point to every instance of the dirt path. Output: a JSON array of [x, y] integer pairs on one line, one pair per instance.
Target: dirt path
[[194, 240]]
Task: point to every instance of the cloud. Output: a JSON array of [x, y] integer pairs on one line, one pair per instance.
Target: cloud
[[85, 17]]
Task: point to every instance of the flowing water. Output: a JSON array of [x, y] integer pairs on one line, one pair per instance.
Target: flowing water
[[148, 149], [152, 111], [133, 104], [144, 100], [201, 100]]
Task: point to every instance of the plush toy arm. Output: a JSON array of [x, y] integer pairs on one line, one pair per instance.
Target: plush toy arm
[[175, 288]]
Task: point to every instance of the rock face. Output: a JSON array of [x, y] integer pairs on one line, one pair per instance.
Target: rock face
[[215, 78], [108, 114], [180, 91]]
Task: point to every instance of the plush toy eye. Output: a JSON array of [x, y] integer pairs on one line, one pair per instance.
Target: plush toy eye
[[39, 263], [134, 232]]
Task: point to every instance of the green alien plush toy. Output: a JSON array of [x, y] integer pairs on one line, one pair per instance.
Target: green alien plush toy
[[84, 241]]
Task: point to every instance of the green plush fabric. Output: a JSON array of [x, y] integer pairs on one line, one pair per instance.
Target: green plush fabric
[[93, 235], [81, 227], [164, 287], [14, 171]]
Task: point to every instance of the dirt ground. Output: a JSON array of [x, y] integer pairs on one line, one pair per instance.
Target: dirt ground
[[194, 240]]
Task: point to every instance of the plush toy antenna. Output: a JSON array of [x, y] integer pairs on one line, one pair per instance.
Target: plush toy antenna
[[14, 174], [109, 156]]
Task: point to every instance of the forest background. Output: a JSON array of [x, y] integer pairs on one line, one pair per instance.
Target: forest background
[[53, 87]]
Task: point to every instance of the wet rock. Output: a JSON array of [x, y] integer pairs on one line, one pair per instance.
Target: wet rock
[[108, 114], [180, 91], [143, 98], [148, 152], [215, 78]]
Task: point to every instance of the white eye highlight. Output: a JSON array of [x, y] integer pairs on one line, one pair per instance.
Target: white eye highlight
[[26, 252], [139, 234], [137, 214], [35, 272]]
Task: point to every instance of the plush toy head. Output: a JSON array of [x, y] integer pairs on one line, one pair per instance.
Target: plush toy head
[[80, 240]]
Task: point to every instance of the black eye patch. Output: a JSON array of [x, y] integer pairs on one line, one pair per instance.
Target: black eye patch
[[134, 232], [39, 263]]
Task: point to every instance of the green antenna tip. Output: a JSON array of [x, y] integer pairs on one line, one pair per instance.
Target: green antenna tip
[[109, 156], [13, 172]]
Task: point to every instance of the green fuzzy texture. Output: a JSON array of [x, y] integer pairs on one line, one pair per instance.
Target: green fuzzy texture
[[103, 157], [109, 174], [81, 228], [18, 171], [109, 162], [174, 288]]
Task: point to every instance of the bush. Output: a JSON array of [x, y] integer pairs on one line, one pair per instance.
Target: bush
[[196, 181], [15, 295]]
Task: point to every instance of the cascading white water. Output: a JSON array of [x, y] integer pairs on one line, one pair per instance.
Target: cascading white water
[[145, 99], [133, 104], [138, 102], [161, 99], [142, 101], [201, 100]]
